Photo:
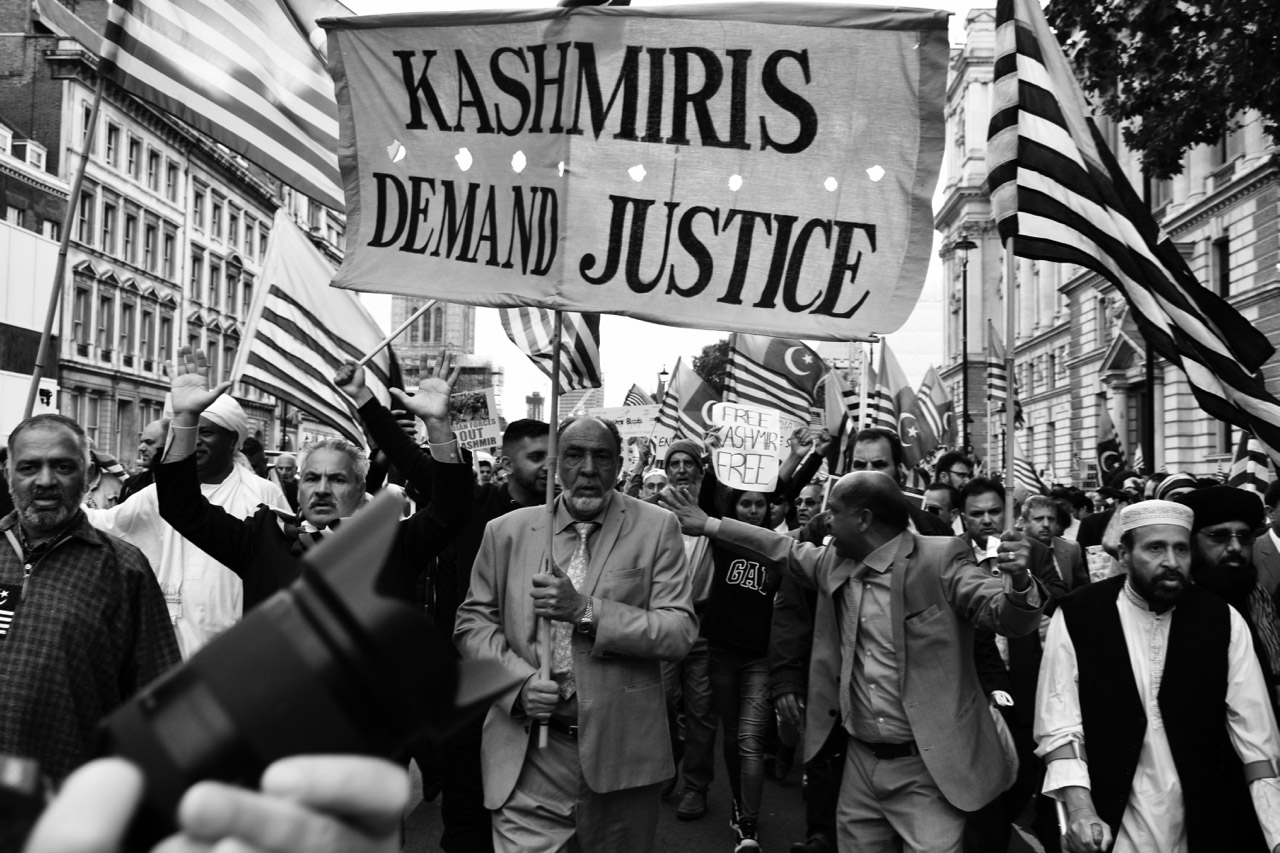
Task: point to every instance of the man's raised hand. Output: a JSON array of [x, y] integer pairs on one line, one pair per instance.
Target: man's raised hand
[[189, 386], [431, 401], [350, 381], [693, 520]]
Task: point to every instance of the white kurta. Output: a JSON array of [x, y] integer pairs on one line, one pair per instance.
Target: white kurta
[[1153, 821], [205, 597]]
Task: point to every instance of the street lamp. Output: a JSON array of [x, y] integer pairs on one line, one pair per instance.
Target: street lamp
[[964, 246], [662, 382]]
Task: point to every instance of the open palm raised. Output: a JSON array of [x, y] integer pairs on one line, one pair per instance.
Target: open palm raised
[[190, 384], [431, 400]]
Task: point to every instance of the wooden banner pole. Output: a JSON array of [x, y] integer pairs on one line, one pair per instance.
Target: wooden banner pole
[[544, 625]]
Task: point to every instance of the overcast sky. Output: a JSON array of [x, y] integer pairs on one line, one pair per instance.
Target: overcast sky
[[633, 351]]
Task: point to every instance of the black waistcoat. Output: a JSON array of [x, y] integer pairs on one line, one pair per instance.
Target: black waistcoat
[[1192, 703]]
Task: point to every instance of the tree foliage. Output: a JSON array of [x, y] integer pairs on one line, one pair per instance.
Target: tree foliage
[[713, 364], [1180, 72]]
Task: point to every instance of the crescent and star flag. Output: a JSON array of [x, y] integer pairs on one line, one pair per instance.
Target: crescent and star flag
[[637, 396], [1058, 190], [774, 373], [532, 331], [1251, 468], [918, 440], [243, 72], [686, 403], [1111, 457], [936, 405], [300, 332], [751, 167]]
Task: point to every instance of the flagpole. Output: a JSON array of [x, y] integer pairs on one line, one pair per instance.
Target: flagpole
[[60, 271], [863, 396], [1010, 317], [427, 306], [544, 624]]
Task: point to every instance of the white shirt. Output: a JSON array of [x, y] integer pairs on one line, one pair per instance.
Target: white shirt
[[205, 597], [1153, 821]]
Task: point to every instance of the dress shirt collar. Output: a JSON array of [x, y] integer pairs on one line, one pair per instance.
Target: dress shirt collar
[[564, 520], [881, 559]]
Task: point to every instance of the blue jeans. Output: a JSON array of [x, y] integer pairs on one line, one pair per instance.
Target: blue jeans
[[740, 689]]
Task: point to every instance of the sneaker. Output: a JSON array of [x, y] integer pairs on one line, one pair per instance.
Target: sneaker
[[746, 832], [693, 804]]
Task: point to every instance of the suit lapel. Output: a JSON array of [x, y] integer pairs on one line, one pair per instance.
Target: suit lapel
[[604, 540], [897, 613], [522, 571]]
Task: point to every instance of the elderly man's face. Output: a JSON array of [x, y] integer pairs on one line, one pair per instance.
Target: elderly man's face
[[589, 463], [46, 477], [150, 444], [683, 470], [808, 503], [328, 488], [651, 487], [1158, 564], [286, 468]]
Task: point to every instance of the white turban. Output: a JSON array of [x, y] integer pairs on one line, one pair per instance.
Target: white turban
[[226, 413], [1145, 513]]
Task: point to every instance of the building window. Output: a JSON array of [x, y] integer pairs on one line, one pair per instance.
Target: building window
[[1224, 438], [90, 418], [146, 339], [113, 146], [106, 310], [134, 160], [197, 208], [232, 281], [211, 353], [247, 298], [215, 284], [128, 314], [52, 230], [233, 229], [153, 170], [262, 243], [228, 359], [414, 335], [166, 254], [131, 238], [171, 181], [437, 325], [109, 228], [215, 220], [197, 273], [86, 121], [84, 219], [149, 247], [166, 337], [1222, 265], [80, 316], [250, 226]]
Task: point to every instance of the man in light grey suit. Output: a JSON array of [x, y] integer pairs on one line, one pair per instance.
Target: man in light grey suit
[[893, 660], [620, 601]]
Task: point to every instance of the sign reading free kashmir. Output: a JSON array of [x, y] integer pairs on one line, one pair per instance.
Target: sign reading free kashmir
[[763, 167]]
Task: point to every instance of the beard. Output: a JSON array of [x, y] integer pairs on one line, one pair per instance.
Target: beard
[[1232, 578], [1160, 595], [44, 519]]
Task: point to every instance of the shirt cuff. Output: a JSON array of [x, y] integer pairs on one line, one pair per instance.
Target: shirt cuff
[[1266, 803], [712, 528], [1064, 773], [1027, 599]]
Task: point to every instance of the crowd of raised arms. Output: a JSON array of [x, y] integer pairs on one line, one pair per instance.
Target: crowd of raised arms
[[1098, 669]]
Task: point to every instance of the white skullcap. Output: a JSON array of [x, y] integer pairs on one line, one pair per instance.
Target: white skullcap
[[226, 413], [656, 474], [1145, 513]]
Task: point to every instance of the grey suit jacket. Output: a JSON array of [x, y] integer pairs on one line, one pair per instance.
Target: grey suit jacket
[[938, 596], [1267, 561], [644, 614], [1070, 560]]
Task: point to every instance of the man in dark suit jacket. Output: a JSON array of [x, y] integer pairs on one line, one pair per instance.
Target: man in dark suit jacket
[[893, 660], [1266, 548]]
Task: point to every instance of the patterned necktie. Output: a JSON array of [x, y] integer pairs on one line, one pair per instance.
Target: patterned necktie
[[851, 598], [562, 632]]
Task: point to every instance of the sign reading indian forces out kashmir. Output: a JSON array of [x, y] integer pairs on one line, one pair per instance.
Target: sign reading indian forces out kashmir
[[765, 168]]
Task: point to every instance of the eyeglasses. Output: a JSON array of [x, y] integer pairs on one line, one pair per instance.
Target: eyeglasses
[[1222, 537], [968, 475], [936, 510], [808, 502]]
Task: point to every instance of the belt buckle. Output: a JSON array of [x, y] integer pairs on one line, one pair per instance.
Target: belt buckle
[[572, 732]]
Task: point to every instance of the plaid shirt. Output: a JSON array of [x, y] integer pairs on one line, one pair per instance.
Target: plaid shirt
[[92, 629]]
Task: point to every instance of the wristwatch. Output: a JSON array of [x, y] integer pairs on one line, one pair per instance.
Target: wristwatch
[[587, 624]]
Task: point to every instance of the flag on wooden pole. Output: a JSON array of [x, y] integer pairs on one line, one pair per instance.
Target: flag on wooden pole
[[685, 403], [1024, 471], [532, 330], [776, 373], [637, 396], [1111, 456], [300, 331], [242, 72], [1060, 194], [998, 381], [936, 405], [1251, 467]]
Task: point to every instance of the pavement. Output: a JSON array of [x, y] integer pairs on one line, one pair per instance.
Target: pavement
[[781, 821]]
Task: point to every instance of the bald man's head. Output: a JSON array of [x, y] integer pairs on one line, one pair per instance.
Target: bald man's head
[[867, 510]]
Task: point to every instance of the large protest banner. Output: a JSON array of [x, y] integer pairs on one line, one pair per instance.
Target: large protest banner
[[760, 167]]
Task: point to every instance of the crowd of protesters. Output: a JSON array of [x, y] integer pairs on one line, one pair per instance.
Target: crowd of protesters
[[1099, 668]]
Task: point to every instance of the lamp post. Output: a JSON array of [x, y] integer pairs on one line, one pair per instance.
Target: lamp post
[[662, 382], [964, 245]]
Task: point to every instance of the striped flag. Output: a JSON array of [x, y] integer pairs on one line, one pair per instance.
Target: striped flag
[[882, 408], [300, 332], [532, 330], [776, 373], [240, 71], [637, 396], [1251, 468], [936, 405], [684, 404], [1024, 472], [918, 440], [1058, 190], [840, 415], [998, 376]]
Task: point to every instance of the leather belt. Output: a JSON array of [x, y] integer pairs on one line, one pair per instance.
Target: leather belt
[[890, 751], [570, 730]]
